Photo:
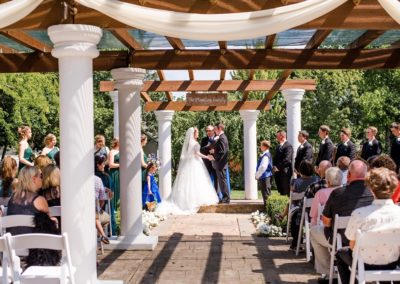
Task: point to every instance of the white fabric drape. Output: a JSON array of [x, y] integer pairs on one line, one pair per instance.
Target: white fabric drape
[[392, 7], [222, 27], [15, 10]]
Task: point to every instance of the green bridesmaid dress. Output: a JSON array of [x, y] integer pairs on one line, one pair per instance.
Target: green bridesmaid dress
[[114, 174], [27, 156]]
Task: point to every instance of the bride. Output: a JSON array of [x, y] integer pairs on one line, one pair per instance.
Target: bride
[[192, 187]]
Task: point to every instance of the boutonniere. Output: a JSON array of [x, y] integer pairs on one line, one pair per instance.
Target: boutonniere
[[345, 144], [323, 142], [398, 139], [301, 146], [370, 143]]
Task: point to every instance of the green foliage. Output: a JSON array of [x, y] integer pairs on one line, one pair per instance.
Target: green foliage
[[276, 204]]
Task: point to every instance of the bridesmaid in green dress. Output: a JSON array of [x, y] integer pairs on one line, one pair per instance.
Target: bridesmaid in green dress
[[113, 163], [143, 141], [24, 150], [50, 148]]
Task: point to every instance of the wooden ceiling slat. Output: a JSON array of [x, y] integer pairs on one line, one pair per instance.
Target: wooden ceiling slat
[[26, 40], [176, 43], [126, 39], [7, 49], [278, 84], [212, 59], [225, 85], [191, 75], [223, 46], [269, 41], [222, 75], [395, 44], [231, 106], [251, 77], [365, 39], [162, 78], [318, 37], [145, 96]]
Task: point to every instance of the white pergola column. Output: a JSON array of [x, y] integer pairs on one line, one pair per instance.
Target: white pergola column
[[114, 98], [250, 152], [75, 48], [129, 82], [164, 118], [293, 98]]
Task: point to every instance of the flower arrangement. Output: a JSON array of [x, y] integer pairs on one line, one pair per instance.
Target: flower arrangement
[[263, 225], [151, 220]]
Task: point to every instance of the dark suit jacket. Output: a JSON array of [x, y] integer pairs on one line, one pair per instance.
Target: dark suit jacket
[[395, 152], [284, 157], [304, 152], [325, 151], [205, 147], [221, 149], [343, 150], [369, 150]]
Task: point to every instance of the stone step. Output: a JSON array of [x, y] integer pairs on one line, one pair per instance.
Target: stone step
[[236, 206]]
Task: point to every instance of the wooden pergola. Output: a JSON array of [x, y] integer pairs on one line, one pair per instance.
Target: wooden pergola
[[365, 15]]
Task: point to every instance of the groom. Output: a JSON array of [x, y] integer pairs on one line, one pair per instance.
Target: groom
[[220, 153], [206, 145]]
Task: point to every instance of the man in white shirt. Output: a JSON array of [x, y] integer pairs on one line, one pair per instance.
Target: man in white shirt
[[264, 170], [381, 215]]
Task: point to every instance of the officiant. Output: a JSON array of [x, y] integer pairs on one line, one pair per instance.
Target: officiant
[[207, 143]]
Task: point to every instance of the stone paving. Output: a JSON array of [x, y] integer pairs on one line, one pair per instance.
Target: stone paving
[[208, 248]]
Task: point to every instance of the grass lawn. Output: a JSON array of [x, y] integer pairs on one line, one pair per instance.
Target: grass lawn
[[239, 194]]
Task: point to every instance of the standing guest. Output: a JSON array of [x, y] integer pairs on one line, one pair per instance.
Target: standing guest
[[51, 185], [113, 163], [264, 171], [381, 215], [150, 191], [342, 201], [343, 164], [143, 156], [371, 147], [25, 153], [206, 144], [326, 148], [283, 163], [26, 200], [8, 181], [321, 182], [42, 161], [346, 147], [57, 159], [100, 148], [50, 148], [305, 150], [395, 145]]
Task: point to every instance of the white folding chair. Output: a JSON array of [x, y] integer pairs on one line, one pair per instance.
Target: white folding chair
[[373, 240], [291, 210], [320, 210], [340, 223], [306, 222], [11, 221], [42, 274], [108, 210], [6, 273], [55, 211]]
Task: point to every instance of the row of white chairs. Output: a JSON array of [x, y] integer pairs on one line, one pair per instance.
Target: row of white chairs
[[9, 245]]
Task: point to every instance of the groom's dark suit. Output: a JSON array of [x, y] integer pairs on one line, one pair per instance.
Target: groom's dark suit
[[206, 145], [221, 149]]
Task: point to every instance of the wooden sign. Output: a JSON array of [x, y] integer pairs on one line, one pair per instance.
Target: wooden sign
[[106, 86], [210, 99]]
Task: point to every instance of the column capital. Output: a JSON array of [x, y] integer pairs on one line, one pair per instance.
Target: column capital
[[293, 94], [249, 114], [164, 115], [126, 78], [74, 40], [114, 96]]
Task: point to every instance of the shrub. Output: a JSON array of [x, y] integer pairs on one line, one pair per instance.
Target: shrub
[[276, 204]]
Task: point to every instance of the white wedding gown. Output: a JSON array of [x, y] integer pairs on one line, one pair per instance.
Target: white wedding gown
[[192, 187]]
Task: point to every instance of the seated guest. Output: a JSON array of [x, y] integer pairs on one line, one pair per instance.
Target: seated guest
[[101, 197], [343, 164], [341, 201], [42, 161], [26, 200], [382, 214], [51, 185], [333, 180], [321, 182], [371, 147], [8, 181]]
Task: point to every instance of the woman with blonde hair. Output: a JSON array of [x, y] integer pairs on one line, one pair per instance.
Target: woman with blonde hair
[[25, 153], [8, 181], [25, 199], [50, 148], [51, 185], [42, 161]]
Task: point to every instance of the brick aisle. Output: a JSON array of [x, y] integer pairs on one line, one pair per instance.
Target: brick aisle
[[208, 248]]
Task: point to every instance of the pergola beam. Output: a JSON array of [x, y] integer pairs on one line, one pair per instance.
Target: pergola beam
[[278, 84], [145, 96], [318, 37], [365, 39], [26, 40], [251, 77], [176, 43], [126, 39], [213, 60], [269, 41], [7, 49], [231, 106], [162, 78]]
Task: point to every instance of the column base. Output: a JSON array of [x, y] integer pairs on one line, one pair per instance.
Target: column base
[[140, 242]]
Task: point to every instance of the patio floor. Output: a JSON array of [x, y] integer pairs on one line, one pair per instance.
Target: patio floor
[[208, 248]]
